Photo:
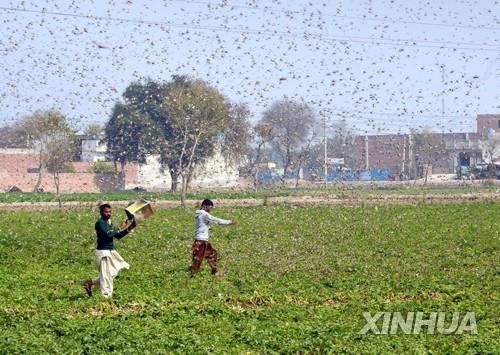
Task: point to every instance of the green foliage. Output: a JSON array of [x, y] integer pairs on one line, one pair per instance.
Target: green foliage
[[100, 167], [69, 168], [93, 130], [297, 281], [130, 135], [49, 132], [181, 120]]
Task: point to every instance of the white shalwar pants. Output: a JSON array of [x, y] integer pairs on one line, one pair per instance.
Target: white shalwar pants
[[109, 263]]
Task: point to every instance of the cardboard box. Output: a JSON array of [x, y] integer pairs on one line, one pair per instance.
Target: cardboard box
[[139, 210]]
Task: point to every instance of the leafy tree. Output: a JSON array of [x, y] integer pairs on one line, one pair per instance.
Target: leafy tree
[[237, 136], [130, 135], [198, 115], [181, 120], [58, 158], [143, 125]]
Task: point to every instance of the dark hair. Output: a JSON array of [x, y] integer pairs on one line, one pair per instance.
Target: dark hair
[[207, 202], [103, 206]]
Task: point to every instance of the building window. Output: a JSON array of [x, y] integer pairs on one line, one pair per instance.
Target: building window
[[498, 123]]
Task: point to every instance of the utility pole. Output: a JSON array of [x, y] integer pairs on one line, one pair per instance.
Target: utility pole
[[442, 96], [404, 154], [410, 155], [367, 157], [325, 143]]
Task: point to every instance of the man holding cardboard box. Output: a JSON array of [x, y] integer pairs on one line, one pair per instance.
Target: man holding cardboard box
[[107, 259]]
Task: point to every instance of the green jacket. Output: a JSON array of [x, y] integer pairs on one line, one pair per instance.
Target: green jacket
[[106, 231]]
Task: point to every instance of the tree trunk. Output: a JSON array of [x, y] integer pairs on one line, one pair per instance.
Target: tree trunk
[[426, 173], [174, 179], [56, 183], [38, 181], [298, 177], [189, 178], [40, 169], [256, 166], [183, 189], [285, 172], [188, 170], [255, 179]]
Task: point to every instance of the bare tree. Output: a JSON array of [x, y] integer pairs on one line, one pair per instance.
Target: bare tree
[[262, 134], [338, 142], [491, 148], [425, 149], [303, 156], [291, 123]]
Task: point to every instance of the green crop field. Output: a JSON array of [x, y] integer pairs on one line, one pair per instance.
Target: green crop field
[[297, 280]]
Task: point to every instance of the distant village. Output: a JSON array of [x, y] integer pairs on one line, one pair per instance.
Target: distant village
[[389, 157]]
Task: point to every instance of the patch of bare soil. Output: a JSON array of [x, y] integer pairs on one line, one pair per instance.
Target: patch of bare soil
[[276, 201]]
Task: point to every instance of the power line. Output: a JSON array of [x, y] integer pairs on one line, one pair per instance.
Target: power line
[[367, 120], [267, 9], [392, 114], [337, 38]]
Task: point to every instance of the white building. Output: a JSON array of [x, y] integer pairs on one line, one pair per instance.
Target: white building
[[215, 172], [93, 150]]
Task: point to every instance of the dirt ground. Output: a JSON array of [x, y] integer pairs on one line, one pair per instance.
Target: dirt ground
[[275, 201]]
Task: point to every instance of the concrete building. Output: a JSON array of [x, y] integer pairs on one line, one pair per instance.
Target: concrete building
[[215, 172], [409, 154], [92, 150]]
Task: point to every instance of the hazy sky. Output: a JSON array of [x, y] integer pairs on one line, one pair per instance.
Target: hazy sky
[[383, 66]]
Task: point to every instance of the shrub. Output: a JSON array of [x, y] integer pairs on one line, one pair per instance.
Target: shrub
[[100, 167], [69, 168]]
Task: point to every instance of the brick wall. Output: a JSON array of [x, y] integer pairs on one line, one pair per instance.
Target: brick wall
[[18, 161], [397, 152], [18, 168], [384, 151], [485, 122], [69, 182]]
